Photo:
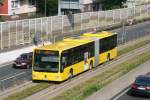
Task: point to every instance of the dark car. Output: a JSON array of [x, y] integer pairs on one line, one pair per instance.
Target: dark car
[[141, 86], [23, 61]]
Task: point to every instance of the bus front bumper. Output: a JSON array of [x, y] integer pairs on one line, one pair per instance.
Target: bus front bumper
[[46, 76]]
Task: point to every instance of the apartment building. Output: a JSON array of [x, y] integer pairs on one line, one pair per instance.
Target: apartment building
[[133, 3], [75, 6], [17, 8]]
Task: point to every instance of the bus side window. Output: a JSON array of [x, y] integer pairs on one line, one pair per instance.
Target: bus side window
[[69, 58], [91, 49], [64, 61]]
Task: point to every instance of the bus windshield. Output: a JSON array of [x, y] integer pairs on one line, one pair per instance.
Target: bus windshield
[[46, 61]]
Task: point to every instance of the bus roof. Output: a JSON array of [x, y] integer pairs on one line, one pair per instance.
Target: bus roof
[[75, 41], [66, 44], [102, 34]]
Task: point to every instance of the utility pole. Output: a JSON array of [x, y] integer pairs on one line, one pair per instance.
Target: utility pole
[[59, 7], [123, 31]]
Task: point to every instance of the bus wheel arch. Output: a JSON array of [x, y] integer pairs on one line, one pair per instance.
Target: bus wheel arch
[[71, 73], [108, 57]]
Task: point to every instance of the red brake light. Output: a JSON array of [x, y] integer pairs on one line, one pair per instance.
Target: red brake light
[[134, 86], [148, 88]]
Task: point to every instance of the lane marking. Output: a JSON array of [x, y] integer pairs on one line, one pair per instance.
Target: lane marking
[[3, 65], [116, 97], [13, 76]]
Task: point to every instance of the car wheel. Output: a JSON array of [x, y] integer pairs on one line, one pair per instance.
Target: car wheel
[[14, 66]]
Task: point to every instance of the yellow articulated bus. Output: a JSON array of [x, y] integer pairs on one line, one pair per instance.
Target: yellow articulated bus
[[74, 55]]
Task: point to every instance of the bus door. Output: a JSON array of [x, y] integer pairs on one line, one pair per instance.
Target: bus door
[[86, 65], [96, 56]]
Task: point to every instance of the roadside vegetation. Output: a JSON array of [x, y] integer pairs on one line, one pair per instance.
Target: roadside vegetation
[[111, 4], [27, 92], [47, 7], [132, 47], [89, 87]]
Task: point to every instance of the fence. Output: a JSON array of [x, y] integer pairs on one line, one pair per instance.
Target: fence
[[20, 32]]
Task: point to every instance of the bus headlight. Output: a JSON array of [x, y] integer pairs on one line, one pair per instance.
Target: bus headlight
[[56, 77], [34, 76]]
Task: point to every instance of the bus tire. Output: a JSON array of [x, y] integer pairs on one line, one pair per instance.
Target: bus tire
[[71, 73], [108, 57], [91, 65]]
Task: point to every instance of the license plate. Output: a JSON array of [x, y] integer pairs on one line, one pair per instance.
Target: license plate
[[141, 88], [18, 65]]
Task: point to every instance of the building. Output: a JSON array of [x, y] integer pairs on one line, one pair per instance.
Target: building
[[75, 6], [17, 8], [133, 3]]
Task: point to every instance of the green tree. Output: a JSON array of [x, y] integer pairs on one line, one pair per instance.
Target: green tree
[[111, 4], [51, 6], [1, 2]]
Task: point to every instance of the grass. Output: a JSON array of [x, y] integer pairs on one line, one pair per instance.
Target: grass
[[85, 89], [132, 47], [27, 92]]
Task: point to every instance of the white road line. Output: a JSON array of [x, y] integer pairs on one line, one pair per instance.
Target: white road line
[[121, 94], [13, 76], [3, 65]]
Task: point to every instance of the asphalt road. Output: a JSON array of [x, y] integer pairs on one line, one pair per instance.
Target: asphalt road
[[8, 71], [131, 32], [10, 76], [127, 96]]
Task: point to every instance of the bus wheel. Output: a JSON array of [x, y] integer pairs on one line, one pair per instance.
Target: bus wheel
[[71, 73], [91, 65], [108, 57]]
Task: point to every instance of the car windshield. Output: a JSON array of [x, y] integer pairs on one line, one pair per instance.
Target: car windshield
[[23, 57], [143, 81], [46, 61]]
